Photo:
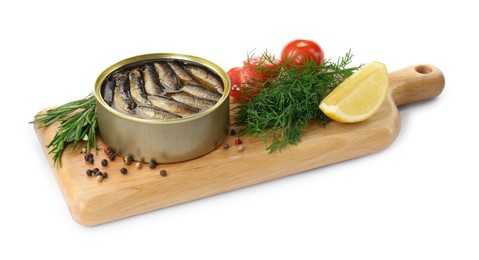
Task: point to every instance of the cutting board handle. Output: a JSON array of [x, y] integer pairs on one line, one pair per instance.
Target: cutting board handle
[[416, 83]]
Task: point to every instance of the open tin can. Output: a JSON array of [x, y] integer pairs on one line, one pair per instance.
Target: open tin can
[[163, 140]]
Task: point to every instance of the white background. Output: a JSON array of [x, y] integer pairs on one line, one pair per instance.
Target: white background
[[417, 199]]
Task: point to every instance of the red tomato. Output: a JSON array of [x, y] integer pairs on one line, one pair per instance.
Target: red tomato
[[254, 73], [261, 69], [298, 52], [239, 77], [235, 77]]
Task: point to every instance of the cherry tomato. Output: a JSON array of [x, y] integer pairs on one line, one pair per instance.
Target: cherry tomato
[[235, 77], [261, 68], [246, 81], [239, 77], [298, 52]]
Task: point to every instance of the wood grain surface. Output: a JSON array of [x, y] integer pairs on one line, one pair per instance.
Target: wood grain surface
[[142, 190]]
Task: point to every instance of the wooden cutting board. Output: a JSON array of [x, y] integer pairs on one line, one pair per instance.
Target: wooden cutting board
[[142, 190]]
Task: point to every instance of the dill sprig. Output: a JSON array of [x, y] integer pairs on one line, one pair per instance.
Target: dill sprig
[[77, 123], [287, 102]]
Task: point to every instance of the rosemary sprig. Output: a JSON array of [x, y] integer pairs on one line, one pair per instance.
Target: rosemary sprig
[[77, 122], [286, 104]]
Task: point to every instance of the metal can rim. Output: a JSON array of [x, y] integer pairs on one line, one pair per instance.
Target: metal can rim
[[155, 56]]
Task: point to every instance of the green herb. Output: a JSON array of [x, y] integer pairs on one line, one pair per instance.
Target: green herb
[[77, 122], [286, 103]]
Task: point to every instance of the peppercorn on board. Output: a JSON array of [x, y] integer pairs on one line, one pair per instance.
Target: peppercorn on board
[[92, 202]]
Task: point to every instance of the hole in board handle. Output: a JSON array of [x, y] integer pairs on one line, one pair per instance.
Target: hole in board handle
[[423, 69]]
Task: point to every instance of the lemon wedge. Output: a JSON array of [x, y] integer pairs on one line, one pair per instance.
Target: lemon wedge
[[358, 97]]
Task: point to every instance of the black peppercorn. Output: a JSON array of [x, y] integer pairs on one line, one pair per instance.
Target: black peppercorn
[[104, 162], [163, 173], [89, 172], [88, 156], [123, 170], [152, 164], [104, 174], [233, 131]]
